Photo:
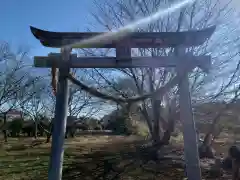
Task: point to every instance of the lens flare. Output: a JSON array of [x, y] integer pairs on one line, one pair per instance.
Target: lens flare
[[126, 30]]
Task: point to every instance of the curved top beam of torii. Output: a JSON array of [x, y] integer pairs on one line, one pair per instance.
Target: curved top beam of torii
[[135, 40]]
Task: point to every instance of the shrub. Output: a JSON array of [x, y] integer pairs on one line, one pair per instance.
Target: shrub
[[16, 126], [121, 126]]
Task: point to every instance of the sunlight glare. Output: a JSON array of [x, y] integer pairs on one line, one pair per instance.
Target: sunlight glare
[[125, 30]]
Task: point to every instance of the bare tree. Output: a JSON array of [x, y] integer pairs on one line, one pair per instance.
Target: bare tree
[[114, 14], [34, 106], [80, 101], [15, 81]]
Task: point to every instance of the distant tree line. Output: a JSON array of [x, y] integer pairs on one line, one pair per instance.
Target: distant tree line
[[19, 127]]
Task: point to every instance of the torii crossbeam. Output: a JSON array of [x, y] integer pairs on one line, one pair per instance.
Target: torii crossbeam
[[65, 61]]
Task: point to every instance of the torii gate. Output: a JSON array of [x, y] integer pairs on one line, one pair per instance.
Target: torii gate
[[65, 60]]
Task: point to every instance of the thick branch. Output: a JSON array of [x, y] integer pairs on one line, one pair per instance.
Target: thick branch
[[159, 92]]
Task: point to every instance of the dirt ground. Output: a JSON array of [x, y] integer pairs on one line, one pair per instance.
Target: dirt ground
[[96, 157]]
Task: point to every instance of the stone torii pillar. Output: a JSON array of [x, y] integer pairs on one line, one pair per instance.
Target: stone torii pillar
[[60, 118], [191, 154]]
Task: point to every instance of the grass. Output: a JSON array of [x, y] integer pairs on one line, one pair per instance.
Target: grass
[[88, 157], [20, 161], [26, 158]]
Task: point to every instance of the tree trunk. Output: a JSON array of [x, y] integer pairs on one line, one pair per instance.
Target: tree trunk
[[156, 104], [5, 127], [72, 132], [67, 131], [36, 130], [170, 126], [212, 128], [206, 150], [208, 139], [149, 121], [49, 135], [167, 134], [156, 127]]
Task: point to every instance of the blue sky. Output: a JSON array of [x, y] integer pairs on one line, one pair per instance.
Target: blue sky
[[55, 15]]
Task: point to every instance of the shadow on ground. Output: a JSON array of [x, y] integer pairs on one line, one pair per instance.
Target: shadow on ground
[[123, 161], [119, 158], [135, 161]]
